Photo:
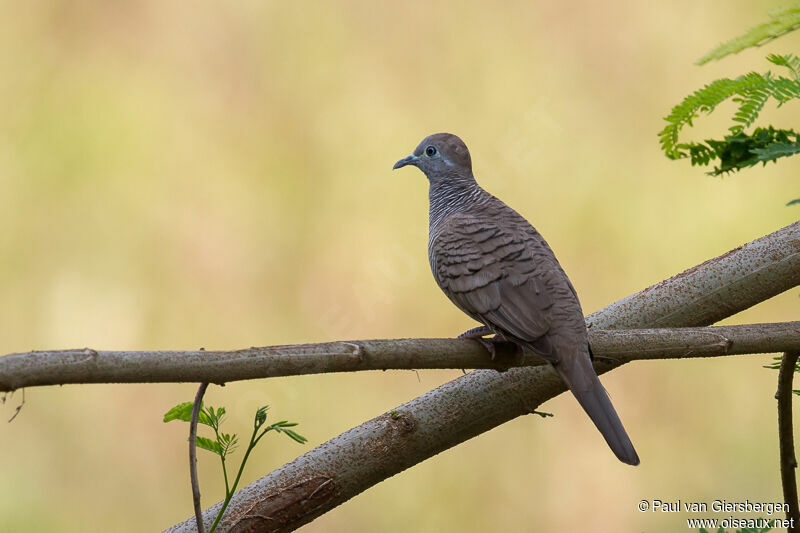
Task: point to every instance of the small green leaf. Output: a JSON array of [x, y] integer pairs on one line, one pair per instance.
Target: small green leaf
[[295, 436], [212, 417], [217, 415], [261, 416], [204, 418], [228, 443], [794, 202], [182, 411], [210, 445]]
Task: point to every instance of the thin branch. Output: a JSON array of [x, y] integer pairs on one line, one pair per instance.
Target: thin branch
[[786, 437], [82, 366], [341, 468], [198, 510], [18, 408]]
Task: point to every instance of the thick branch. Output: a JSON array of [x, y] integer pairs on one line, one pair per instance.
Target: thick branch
[[346, 465], [90, 366], [786, 437]]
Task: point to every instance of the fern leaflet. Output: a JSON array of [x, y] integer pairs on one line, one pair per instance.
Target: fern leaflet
[[782, 21]]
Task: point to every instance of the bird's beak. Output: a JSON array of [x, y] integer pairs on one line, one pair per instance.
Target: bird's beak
[[410, 160]]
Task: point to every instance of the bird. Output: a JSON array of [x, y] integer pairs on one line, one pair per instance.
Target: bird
[[497, 268]]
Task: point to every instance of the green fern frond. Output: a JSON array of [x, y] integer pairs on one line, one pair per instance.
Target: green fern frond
[[740, 150], [705, 100], [750, 91], [773, 151], [781, 21], [751, 102], [789, 61]]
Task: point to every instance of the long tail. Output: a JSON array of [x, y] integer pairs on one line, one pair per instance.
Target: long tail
[[579, 375]]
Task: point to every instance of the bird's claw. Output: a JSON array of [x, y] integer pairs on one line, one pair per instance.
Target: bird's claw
[[478, 334]]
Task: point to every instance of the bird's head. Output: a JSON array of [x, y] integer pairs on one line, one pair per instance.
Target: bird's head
[[440, 154]]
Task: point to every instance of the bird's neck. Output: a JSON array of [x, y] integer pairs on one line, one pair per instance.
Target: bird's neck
[[452, 195]]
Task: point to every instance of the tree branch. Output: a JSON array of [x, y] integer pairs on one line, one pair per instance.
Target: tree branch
[[786, 437], [91, 366], [198, 510], [346, 465]]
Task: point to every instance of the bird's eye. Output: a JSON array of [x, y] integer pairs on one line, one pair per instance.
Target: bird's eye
[[430, 151]]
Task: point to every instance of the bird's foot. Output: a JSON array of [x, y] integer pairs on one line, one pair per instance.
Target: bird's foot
[[478, 334]]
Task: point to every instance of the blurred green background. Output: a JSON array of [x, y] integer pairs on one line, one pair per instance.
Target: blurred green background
[[179, 175]]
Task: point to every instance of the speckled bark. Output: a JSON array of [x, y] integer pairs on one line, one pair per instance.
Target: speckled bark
[[61, 367]]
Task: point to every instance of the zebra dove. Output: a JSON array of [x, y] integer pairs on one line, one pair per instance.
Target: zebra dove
[[499, 270]]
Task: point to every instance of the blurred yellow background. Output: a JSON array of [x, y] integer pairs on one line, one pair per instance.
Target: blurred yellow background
[[178, 175]]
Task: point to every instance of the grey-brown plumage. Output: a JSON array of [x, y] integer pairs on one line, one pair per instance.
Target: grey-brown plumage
[[497, 268]]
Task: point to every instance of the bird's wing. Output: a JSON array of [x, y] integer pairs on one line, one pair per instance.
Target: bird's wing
[[491, 274]]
